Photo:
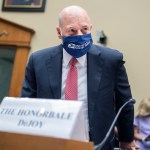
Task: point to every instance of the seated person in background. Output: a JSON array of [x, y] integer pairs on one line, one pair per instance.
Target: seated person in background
[[142, 125]]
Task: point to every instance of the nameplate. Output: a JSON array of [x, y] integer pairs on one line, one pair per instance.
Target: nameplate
[[46, 117]]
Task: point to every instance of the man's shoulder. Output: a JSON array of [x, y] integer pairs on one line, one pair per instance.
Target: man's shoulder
[[107, 52], [47, 51]]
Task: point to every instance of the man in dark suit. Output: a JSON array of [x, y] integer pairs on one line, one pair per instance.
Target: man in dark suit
[[102, 79]]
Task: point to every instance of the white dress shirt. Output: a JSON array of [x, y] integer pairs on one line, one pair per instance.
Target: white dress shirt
[[82, 79]]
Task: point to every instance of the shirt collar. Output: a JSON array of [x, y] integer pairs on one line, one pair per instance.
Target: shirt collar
[[67, 57]]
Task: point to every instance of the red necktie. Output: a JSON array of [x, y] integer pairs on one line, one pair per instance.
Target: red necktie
[[71, 90]]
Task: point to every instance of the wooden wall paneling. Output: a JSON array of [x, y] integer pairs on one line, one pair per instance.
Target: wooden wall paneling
[[17, 77], [13, 34]]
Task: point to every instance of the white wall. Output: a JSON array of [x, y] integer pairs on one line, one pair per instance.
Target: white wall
[[125, 22]]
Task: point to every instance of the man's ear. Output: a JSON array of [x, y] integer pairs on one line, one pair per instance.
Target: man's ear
[[59, 33], [91, 27]]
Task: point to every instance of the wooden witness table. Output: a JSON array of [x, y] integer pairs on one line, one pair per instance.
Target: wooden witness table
[[15, 141]]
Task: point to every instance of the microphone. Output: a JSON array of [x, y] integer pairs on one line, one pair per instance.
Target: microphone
[[100, 145]]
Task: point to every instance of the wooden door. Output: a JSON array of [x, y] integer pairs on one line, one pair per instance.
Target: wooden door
[[15, 43]]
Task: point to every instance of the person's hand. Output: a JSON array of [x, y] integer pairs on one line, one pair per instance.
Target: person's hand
[[129, 145]]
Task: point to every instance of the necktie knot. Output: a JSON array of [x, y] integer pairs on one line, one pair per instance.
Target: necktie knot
[[73, 61]]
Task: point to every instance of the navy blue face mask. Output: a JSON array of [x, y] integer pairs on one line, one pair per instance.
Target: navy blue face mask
[[78, 45]]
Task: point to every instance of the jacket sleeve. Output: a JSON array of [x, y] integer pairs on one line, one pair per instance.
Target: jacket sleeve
[[29, 84], [122, 95]]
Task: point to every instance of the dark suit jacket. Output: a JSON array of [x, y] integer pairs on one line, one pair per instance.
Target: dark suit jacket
[[108, 88]]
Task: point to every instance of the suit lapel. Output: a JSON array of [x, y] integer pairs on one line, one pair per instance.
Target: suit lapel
[[94, 73], [54, 67]]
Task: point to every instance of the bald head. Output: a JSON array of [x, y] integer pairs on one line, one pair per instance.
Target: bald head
[[72, 12], [73, 20]]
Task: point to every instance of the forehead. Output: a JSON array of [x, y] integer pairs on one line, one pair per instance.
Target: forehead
[[75, 20]]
